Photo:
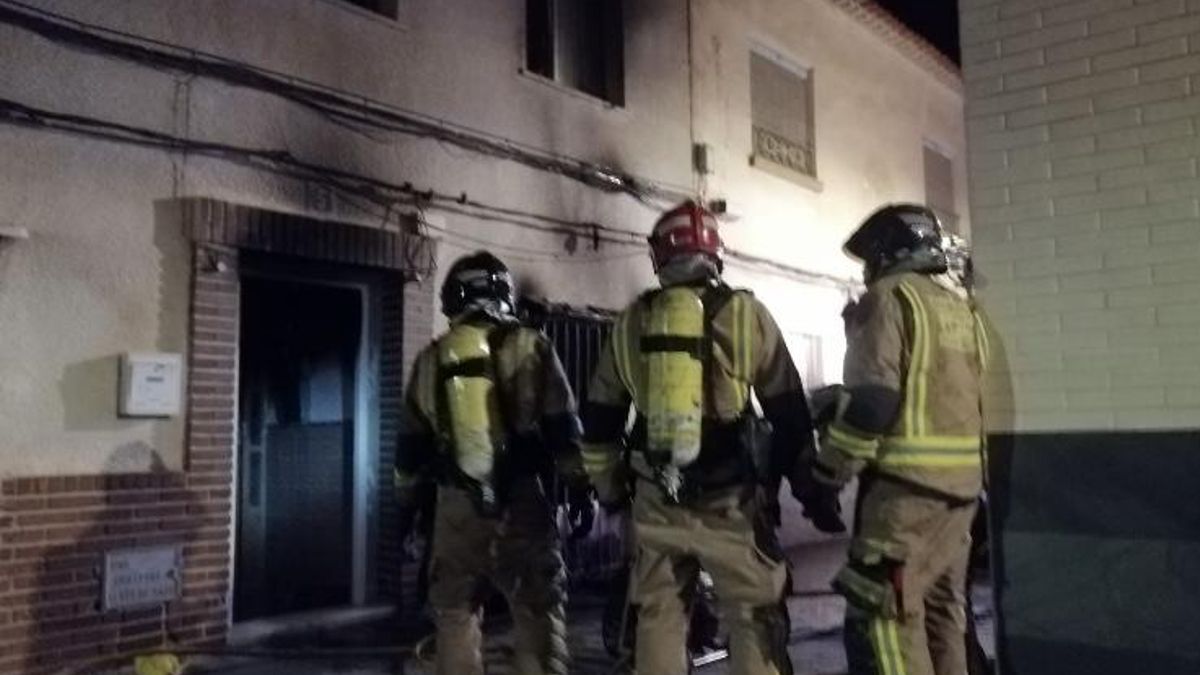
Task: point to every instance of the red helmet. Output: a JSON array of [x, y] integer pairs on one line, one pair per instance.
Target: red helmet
[[684, 230]]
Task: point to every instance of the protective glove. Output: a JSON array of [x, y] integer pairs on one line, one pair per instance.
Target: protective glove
[[581, 511], [819, 499], [823, 508]]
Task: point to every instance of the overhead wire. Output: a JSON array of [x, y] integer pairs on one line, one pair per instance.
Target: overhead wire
[[381, 192], [518, 253], [349, 111], [345, 108]]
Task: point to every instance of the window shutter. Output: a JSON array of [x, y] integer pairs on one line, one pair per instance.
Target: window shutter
[[939, 187]]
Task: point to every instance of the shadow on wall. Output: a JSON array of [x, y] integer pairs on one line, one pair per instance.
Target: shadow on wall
[[90, 389], [175, 269], [89, 394], [64, 528], [1000, 420]]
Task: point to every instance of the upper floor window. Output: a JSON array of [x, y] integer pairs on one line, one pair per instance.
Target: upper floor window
[[781, 112], [578, 43], [388, 8], [939, 187]]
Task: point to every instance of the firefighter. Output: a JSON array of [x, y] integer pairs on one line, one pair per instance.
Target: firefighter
[[910, 426], [489, 417], [690, 357]]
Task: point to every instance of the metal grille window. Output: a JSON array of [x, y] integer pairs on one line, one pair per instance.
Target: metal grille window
[[781, 110], [939, 187], [578, 43], [578, 336]]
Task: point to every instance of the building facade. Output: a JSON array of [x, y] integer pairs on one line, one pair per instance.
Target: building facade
[[1083, 151], [267, 191]]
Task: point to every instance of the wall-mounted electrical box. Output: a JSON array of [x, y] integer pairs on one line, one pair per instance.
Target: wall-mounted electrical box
[[151, 384]]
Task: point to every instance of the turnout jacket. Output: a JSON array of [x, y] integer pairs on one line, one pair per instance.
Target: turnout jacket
[[747, 354], [914, 367], [535, 402]]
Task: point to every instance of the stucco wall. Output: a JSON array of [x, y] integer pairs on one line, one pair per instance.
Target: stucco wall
[[874, 109], [105, 269]]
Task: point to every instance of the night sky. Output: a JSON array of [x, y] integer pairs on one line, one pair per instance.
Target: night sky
[[937, 20]]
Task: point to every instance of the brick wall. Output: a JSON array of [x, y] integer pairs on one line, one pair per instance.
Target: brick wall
[[54, 531], [1083, 149], [407, 328], [1083, 169]]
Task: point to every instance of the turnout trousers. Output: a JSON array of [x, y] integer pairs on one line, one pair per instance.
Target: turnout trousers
[[905, 582], [519, 555], [727, 534]]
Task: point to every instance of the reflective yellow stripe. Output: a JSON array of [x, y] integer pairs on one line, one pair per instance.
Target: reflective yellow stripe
[[918, 375], [747, 317], [599, 458], [873, 551], [743, 349], [885, 640], [893, 635], [851, 443], [931, 460], [981, 340], [622, 357], [931, 451], [942, 444], [869, 591]]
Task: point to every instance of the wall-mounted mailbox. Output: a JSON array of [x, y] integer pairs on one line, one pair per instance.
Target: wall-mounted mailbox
[[151, 384]]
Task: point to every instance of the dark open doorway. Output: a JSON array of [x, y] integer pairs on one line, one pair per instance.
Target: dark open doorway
[[298, 391]]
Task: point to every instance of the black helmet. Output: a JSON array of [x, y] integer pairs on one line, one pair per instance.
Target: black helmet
[[899, 236], [479, 276]]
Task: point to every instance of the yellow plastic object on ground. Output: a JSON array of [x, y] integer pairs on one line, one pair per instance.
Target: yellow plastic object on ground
[[157, 664]]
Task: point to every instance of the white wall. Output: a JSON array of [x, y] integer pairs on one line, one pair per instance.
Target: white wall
[[1084, 179], [874, 109], [106, 270]]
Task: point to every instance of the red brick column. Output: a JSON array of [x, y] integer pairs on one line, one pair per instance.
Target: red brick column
[[407, 328]]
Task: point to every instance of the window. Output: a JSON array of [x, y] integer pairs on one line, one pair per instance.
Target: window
[[578, 43], [781, 111], [388, 8], [939, 188]]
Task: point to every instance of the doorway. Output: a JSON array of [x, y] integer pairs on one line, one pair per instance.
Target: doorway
[[303, 409]]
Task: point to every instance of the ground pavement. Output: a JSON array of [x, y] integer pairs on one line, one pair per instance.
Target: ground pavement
[[816, 646]]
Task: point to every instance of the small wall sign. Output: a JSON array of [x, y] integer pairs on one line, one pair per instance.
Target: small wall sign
[[141, 577]]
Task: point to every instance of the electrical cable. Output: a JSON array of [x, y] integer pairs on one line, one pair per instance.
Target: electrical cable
[[378, 191], [343, 107], [284, 163], [462, 240]]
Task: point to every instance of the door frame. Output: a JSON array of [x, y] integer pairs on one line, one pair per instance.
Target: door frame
[[366, 408]]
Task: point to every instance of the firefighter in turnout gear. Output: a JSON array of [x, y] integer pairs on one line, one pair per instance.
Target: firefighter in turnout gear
[[909, 426], [688, 357], [490, 417]]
